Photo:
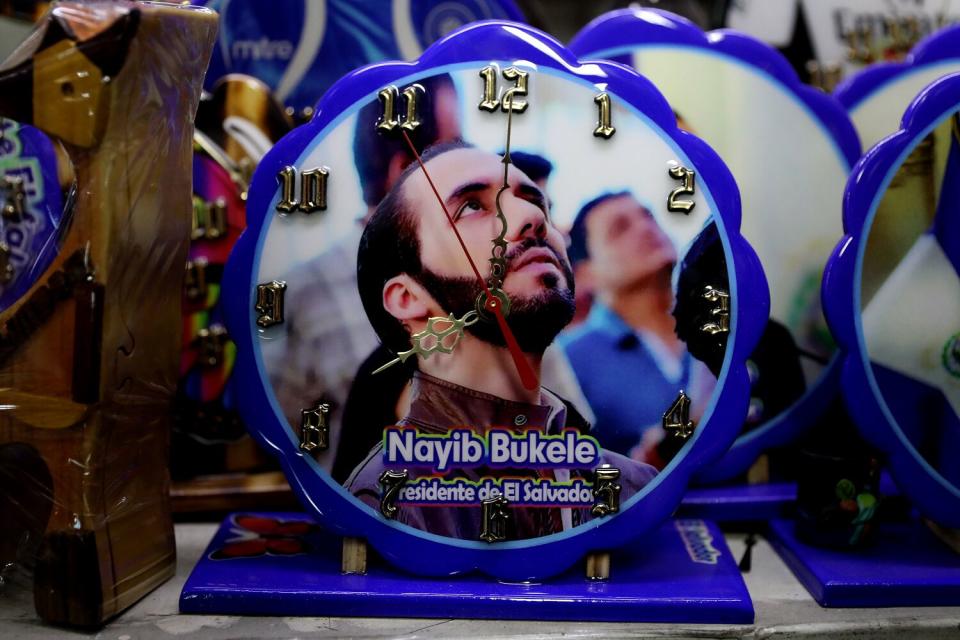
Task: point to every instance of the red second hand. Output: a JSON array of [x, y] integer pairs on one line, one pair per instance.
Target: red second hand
[[527, 375]]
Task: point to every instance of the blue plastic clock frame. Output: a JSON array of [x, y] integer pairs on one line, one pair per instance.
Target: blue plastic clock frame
[[426, 553], [617, 34], [933, 495], [936, 48]]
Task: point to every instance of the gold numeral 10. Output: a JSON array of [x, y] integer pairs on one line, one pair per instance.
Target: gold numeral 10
[[687, 187], [390, 118], [510, 101], [313, 190], [605, 128]]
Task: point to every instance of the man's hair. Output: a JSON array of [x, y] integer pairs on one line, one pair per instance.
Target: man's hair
[[373, 151], [577, 251], [389, 247]]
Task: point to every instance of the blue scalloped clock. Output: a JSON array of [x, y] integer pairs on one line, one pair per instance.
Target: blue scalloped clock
[[404, 285], [790, 148], [891, 293]]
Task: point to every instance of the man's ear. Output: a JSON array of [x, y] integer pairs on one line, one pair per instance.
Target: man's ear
[[406, 300]]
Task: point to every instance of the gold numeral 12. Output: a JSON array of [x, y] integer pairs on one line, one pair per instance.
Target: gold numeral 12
[[313, 190], [511, 97]]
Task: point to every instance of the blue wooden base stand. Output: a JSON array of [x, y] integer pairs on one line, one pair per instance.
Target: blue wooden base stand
[[739, 502], [277, 564], [905, 566]]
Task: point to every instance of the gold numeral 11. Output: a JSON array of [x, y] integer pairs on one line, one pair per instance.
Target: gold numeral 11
[[390, 118], [313, 190]]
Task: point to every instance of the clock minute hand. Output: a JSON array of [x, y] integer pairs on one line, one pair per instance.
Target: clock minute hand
[[493, 303], [498, 260]]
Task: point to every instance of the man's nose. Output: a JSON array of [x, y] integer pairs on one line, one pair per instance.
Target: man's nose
[[524, 219]]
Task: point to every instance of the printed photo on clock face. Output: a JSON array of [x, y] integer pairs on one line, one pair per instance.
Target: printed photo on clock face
[[911, 263], [578, 216]]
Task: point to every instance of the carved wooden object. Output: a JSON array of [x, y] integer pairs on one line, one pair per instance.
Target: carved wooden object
[[88, 356]]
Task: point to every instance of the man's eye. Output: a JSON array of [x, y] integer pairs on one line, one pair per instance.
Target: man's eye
[[469, 207]]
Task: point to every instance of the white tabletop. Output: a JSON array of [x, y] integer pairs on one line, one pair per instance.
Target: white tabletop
[[783, 610]]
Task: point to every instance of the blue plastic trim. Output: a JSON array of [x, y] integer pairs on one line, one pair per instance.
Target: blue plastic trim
[[619, 32], [933, 495], [430, 554]]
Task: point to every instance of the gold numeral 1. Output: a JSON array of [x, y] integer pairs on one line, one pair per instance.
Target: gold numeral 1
[[491, 99], [605, 128], [511, 97], [390, 117], [313, 190], [687, 188]]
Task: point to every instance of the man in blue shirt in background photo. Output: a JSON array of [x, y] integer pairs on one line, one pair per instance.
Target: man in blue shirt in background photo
[[626, 354]]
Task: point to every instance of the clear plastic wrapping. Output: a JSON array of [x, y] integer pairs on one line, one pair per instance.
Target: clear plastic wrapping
[[90, 306]]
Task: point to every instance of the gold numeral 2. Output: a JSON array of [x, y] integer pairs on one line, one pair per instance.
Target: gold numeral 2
[[390, 117], [605, 128], [313, 190], [510, 101], [687, 187]]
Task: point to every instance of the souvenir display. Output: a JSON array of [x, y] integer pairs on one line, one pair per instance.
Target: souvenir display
[[738, 93], [300, 47], [830, 40], [901, 379], [848, 35], [895, 315], [876, 97], [417, 202], [90, 295], [214, 462]]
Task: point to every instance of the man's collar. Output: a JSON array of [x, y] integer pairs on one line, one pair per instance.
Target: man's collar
[[436, 404]]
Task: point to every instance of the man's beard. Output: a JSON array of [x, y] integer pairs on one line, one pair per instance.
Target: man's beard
[[535, 320]]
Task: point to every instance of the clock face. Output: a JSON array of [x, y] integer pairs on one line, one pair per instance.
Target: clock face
[[406, 307], [894, 298], [33, 193]]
